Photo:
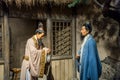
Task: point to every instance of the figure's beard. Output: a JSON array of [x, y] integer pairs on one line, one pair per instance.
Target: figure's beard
[[40, 42], [81, 37]]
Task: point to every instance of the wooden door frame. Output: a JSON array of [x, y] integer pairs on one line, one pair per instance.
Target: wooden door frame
[[49, 34], [60, 57]]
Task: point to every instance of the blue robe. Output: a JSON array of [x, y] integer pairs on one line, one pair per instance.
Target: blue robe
[[90, 68]]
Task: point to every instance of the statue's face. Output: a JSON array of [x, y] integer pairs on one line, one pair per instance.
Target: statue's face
[[83, 31], [39, 36]]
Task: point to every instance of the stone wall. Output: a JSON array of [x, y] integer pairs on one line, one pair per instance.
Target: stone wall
[[106, 33], [110, 69]]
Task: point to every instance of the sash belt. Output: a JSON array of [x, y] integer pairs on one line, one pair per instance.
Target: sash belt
[[26, 58]]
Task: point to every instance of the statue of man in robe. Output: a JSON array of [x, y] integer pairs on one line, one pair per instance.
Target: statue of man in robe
[[34, 60], [90, 67]]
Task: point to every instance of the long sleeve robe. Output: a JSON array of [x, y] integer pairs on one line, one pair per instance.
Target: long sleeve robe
[[33, 64], [90, 66]]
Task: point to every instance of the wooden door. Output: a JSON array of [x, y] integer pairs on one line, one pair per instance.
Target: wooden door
[[62, 62]]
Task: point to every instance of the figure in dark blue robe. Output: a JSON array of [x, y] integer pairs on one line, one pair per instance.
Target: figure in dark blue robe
[[90, 66]]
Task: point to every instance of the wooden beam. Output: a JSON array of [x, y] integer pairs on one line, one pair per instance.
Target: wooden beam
[[61, 57], [74, 10], [48, 24], [6, 45], [119, 36], [74, 46]]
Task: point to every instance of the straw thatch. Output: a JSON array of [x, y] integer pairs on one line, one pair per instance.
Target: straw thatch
[[36, 2], [31, 3]]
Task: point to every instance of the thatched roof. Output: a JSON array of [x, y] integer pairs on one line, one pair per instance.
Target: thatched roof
[[43, 2], [40, 2]]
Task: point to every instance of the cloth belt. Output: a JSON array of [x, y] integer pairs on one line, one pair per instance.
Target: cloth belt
[[26, 58], [42, 64]]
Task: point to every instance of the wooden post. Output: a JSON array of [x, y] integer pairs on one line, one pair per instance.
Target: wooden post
[[74, 43], [74, 49], [49, 32], [48, 10], [6, 45], [119, 36], [48, 22]]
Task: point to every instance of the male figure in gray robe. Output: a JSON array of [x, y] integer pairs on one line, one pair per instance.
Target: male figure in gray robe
[[35, 57]]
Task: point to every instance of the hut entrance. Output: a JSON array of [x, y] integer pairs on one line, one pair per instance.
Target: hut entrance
[[20, 30], [62, 49]]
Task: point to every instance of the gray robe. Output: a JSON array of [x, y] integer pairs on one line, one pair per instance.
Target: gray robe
[[33, 63]]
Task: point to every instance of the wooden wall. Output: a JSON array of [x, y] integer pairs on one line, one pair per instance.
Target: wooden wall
[[22, 25], [20, 31], [1, 54], [62, 69], [1, 71]]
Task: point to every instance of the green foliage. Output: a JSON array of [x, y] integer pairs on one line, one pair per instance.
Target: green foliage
[[84, 1], [75, 2]]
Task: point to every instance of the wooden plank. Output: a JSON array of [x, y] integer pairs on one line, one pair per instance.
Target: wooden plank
[[62, 69], [62, 76], [6, 46], [49, 34], [2, 72], [66, 69], [70, 69], [74, 46], [1, 40], [53, 69], [57, 67]]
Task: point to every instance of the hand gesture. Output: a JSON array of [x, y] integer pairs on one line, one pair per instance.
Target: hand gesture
[[47, 50]]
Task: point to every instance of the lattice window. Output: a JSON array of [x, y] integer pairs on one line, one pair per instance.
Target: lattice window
[[62, 38], [0, 41]]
